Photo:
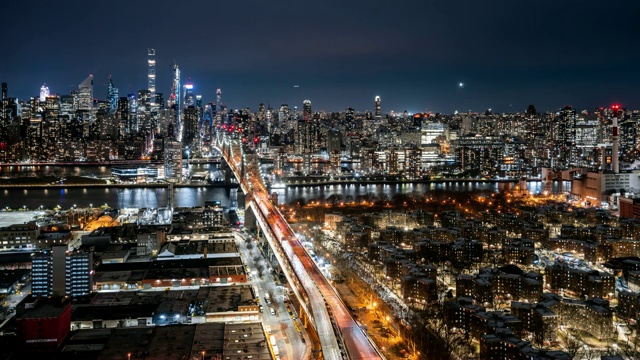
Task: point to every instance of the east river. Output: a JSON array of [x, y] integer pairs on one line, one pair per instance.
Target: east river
[[196, 196]]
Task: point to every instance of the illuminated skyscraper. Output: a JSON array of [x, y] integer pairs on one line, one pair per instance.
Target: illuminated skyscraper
[[191, 121], [306, 110], [112, 96], [378, 112], [151, 73], [615, 138], [172, 160], [85, 94], [174, 102], [189, 97], [218, 111], [44, 92]]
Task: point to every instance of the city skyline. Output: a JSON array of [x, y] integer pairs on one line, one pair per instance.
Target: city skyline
[[339, 56]]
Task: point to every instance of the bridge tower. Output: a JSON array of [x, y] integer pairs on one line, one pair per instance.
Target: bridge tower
[[170, 201]]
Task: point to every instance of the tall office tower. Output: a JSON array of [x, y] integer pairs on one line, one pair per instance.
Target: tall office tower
[[207, 122], [172, 159], [159, 100], [66, 105], [283, 117], [350, 119], [132, 122], [4, 91], [85, 94], [615, 139], [189, 97], [44, 92], [174, 102], [144, 100], [112, 96], [122, 116], [145, 108], [306, 110], [378, 111], [218, 106], [191, 120], [151, 74], [57, 272]]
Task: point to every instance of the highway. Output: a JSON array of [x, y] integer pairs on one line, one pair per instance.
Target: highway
[[340, 336]]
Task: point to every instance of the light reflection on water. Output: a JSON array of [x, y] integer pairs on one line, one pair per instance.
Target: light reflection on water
[[196, 196]]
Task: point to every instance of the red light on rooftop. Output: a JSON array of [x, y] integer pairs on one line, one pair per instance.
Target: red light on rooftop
[[615, 107]]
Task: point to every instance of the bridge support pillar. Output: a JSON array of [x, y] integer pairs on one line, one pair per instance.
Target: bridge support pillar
[[250, 219], [228, 175]]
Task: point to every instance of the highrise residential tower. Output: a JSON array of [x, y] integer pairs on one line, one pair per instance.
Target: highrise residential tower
[[151, 73]]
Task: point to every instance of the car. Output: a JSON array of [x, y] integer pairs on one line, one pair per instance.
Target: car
[[261, 308], [272, 311]]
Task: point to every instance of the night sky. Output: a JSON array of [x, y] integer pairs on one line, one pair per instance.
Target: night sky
[[414, 54]]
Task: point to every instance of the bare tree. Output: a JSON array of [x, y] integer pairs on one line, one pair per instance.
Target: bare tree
[[439, 340], [572, 345]]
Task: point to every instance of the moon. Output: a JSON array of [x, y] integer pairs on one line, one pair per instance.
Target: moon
[[460, 84]]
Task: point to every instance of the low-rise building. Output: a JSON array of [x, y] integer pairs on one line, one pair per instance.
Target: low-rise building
[[42, 323]]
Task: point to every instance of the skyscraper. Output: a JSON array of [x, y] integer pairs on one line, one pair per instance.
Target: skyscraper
[[112, 96], [378, 112], [615, 139], [122, 116], [44, 92], [132, 126], [191, 121], [189, 97], [306, 110], [172, 160], [151, 73], [174, 102], [4, 91], [85, 94], [218, 106]]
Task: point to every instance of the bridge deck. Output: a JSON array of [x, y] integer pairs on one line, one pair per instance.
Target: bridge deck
[[329, 311]]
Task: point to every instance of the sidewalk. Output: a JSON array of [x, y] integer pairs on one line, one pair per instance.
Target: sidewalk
[[372, 322]]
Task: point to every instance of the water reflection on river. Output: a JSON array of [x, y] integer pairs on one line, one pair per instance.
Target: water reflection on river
[[196, 196]]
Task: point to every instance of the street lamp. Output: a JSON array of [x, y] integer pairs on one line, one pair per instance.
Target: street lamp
[[128, 356], [202, 354]]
